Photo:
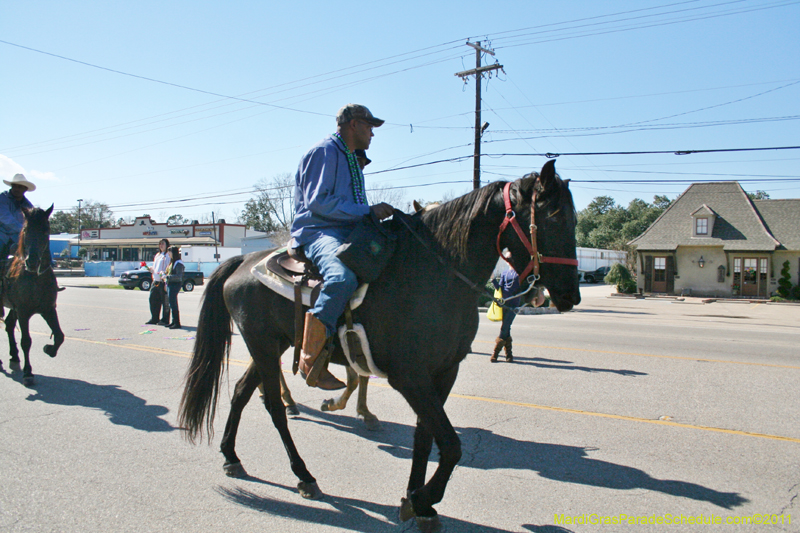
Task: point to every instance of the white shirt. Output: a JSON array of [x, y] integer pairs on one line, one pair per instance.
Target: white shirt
[[160, 264]]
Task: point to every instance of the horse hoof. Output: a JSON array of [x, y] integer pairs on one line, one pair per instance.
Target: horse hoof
[[326, 406], [235, 470], [406, 510], [429, 524], [28, 381], [50, 350], [292, 410], [310, 491], [372, 424]]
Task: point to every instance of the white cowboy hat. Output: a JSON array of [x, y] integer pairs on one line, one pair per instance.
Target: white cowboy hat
[[19, 179]]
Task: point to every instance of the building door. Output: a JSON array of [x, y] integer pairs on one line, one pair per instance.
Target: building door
[[659, 274], [750, 276]]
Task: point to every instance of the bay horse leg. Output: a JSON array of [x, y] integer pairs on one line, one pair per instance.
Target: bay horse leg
[[266, 356], [11, 325], [370, 420], [242, 393], [339, 403], [286, 396], [25, 343], [427, 401], [51, 317]]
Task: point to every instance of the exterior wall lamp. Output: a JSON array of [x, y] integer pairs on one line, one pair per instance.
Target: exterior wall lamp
[[701, 262]]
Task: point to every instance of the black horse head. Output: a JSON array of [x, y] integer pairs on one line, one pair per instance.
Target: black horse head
[[33, 250], [555, 221]]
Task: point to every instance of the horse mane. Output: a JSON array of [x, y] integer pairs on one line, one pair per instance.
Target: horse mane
[[450, 222], [18, 262], [35, 215]]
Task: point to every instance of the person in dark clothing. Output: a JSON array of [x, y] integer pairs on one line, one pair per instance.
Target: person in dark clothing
[[509, 286], [158, 288], [174, 277]]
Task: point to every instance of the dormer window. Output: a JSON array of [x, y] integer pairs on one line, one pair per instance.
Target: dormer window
[[703, 222]]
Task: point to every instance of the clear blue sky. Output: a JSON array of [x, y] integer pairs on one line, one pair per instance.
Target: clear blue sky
[[580, 76]]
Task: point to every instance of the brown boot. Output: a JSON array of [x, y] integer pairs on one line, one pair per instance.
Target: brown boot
[[498, 345], [313, 367], [509, 355]]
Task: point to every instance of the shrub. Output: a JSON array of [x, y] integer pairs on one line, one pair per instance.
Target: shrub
[[484, 300], [795, 293], [785, 283], [622, 278]]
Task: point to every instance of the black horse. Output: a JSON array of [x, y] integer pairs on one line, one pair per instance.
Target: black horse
[[30, 288], [420, 315]]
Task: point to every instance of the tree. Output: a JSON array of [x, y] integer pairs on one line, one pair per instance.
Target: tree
[[177, 220], [272, 207], [93, 215], [758, 195], [604, 224], [63, 222]]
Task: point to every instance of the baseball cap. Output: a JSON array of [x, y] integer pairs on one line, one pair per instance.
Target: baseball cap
[[356, 111]]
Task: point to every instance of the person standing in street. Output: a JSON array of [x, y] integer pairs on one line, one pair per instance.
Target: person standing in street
[[174, 277], [158, 289]]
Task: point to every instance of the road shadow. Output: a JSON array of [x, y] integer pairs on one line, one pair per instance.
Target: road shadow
[[338, 511], [556, 364], [485, 450], [120, 406]]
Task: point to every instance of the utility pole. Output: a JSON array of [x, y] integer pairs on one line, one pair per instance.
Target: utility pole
[[79, 224], [479, 128]]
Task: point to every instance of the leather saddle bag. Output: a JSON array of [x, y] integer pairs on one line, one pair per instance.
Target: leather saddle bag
[[368, 249]]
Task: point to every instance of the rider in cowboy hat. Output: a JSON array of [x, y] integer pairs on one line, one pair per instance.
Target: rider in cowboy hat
[[11, 218]]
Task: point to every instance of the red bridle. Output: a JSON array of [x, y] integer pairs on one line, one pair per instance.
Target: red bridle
[[536, 257]]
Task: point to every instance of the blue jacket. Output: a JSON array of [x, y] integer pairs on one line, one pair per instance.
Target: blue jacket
[[323, 195], [11, 217], [509, 285]]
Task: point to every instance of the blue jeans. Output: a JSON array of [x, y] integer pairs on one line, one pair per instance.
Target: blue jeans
[[339, 281], [508, 318]]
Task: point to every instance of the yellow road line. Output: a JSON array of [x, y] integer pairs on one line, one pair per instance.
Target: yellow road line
[[591, 350], [239, 362]]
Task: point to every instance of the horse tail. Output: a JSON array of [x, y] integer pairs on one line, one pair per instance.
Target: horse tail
[[212, 349]]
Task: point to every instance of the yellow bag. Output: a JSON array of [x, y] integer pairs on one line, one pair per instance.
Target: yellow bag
[[495, 313]]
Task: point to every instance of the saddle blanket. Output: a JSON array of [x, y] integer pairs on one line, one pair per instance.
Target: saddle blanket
[[286, 289]]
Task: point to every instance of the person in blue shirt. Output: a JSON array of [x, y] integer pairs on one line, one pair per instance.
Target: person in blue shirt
[[509, 286], [11, 218], [329, 201]]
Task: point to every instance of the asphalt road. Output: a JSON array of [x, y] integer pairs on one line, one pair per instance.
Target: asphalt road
[[624, 407]]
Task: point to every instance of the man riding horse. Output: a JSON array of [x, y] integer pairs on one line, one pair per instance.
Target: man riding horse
[[11, 218], [329, 201]]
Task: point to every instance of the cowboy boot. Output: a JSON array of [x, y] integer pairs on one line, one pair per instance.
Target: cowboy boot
[[313, 367], [509, 355], [498, 345]]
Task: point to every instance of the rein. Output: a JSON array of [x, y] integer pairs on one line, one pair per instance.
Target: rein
[[474, 286]]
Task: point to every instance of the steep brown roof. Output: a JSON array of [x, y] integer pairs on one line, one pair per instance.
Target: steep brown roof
[[782, 218], [738, 225]]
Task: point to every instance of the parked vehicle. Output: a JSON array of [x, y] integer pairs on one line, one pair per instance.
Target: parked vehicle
[[144, 279], [596, 275]]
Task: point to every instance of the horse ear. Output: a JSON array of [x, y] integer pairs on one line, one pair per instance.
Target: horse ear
[[548, 175], [526, 185], [50, 211]]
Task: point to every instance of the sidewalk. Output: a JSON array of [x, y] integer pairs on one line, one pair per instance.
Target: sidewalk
[[86, 281]]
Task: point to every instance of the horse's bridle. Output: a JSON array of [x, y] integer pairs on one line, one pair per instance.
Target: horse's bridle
[[531, 246]]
